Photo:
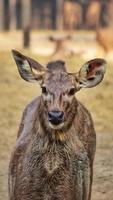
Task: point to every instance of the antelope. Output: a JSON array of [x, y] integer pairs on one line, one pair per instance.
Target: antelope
[[55, 146], [104, 37]]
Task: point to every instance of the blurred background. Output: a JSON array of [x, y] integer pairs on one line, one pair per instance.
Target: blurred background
[[74, 31]]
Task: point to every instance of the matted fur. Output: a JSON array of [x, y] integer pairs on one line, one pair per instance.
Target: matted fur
[[48, 163]]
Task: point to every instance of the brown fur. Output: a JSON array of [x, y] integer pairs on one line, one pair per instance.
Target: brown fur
[[49, 164]]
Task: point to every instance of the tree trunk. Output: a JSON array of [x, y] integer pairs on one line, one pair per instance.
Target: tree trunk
[[59, 14], [6, 15], [26, 22], [1, 15], [26, 13], [53, 14], [12, 14]]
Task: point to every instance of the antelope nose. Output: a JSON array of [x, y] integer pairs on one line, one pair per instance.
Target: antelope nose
[[55, 117]]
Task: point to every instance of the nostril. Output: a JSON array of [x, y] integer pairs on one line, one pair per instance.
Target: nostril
[[61, 114], [50, 115], [55, 115]]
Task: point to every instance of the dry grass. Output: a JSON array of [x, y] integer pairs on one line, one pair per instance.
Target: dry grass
[[16, 93]]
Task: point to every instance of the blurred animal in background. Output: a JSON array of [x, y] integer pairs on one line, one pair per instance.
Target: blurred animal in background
[[72, 15], [60, 45], [104, 37], [55, 147]]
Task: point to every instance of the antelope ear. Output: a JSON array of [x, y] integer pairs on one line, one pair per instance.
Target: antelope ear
[[29, 69], [91, 73]]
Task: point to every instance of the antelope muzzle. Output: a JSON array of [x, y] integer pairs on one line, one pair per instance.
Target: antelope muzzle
[[55, 117]]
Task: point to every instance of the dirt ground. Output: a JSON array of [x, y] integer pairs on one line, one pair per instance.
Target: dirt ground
[[103, 168]]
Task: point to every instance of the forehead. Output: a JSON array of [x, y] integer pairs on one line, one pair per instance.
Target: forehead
[[57, 80]]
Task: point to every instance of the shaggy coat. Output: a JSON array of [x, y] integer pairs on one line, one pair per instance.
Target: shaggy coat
[[53, 163]]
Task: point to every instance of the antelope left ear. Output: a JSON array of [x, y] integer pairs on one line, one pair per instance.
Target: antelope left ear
[[91, 73], [29, 69]]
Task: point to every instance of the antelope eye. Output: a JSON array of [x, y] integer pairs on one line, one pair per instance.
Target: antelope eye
[[44, 90], [71, 92]]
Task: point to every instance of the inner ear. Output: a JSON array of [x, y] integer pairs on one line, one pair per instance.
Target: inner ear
[[29, 69], [92, 73]]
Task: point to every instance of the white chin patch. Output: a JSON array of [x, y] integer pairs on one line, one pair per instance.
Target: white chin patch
[[56, 126]]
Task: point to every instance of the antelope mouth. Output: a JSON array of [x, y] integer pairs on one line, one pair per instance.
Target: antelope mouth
[[56, 119], [56, 126]]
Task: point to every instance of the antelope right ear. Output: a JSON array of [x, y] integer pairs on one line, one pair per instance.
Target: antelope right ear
[[91, 73], [29, 69]]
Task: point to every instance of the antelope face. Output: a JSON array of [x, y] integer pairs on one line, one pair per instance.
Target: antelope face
[[59, 86], [58, 89]]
